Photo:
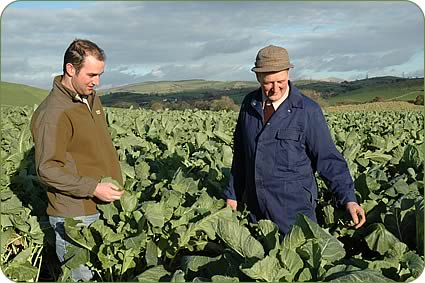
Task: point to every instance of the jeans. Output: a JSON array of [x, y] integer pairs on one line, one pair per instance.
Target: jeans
[[62, 241]]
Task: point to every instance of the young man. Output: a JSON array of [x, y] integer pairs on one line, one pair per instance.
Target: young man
[[73, 148], [281, 139]]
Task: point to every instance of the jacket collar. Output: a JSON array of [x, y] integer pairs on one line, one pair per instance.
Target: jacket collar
[[57, 84]]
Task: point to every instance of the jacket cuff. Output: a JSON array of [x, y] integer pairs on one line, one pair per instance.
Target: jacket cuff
[[229, 194]]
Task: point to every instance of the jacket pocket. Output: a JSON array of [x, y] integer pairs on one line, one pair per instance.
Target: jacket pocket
[[290, 150]]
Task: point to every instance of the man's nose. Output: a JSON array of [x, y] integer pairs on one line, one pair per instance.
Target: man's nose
[[96, 80]]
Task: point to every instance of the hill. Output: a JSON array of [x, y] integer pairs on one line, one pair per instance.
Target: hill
[[175, 87], [386, 88], [195, 93], [177, 91], [20, 94]]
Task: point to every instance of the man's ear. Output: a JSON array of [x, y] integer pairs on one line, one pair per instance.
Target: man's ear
[[70, 70]]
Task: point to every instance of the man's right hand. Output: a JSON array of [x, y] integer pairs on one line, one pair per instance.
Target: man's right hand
[[107, 192], [232, 203]]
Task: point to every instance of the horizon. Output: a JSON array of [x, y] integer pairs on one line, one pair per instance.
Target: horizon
[[332, 80]]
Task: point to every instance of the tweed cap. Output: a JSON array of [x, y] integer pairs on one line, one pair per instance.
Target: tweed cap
[[272, 59]]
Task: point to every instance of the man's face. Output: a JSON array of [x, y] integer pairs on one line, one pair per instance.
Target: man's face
[[274, 85], [88, 77]]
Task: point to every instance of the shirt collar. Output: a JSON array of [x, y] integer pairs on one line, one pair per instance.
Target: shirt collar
[[277, 103]]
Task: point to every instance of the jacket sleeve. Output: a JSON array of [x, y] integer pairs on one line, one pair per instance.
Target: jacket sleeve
[[55, 166], [327, 160], [236, 184]]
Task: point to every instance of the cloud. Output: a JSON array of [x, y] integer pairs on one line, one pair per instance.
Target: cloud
[[147, 40]]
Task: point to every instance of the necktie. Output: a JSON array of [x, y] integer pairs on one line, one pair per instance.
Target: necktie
[[268, 110]]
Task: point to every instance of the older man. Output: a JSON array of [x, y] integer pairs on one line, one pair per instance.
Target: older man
[[281, 139]]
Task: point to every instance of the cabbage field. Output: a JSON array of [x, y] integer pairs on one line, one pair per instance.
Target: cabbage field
[[172, 225]]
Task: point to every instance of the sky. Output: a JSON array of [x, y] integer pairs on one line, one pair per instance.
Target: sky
[[213, 40]]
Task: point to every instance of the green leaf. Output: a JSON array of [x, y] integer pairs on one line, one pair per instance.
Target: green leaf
[[412, 157], [270, 233], [128, 260], [377, 156], [267, 269], [154, 213], [201, 138], [178, 276], [329, 247], [380, 239], [365, 275], [239, 239], [305, 275], [154, 274], [151, 256], [183, 184], [137, 242], [227, 155], [127, 170], [142, 169], [292, 262], [339, 270], [79, 234], [419, 205], [22, 272], [129, 201], [107, 257], [351, 152], [35, 230], [224, 137], [108, 212], [294, 239], [195, 263], [105, 232], [23, 256], [414, 263], [311, 252], [76, 256], [221, 278]]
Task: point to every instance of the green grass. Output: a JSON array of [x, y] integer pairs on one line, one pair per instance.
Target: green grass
[[21, 95], [368, 94], [376, 106], [387, 90]]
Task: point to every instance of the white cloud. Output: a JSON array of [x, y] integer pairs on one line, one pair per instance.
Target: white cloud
[[149, 40]]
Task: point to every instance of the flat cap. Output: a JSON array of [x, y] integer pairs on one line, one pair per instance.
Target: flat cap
[[272, 59]]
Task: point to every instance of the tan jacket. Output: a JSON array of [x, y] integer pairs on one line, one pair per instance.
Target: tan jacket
[[73, 150]]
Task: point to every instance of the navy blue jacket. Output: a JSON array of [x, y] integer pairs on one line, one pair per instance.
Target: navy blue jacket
[[274, 164]]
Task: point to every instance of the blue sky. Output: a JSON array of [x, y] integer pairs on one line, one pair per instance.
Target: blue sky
[[216, 40]]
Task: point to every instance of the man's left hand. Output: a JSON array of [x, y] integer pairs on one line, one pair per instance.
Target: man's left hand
[[357, 214]]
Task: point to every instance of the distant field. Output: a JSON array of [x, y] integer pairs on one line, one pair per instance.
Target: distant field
[[396, 89], [387, 94], [330, 93], [376, 106], [174, 87], [20, 95]]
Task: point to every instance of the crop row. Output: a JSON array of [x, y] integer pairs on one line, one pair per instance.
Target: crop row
[[172, 225]]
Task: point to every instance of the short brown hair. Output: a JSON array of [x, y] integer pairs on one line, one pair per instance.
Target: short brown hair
[[78, 50]]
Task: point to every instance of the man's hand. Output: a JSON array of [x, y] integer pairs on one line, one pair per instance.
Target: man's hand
[[357, 214], [232, 203], [107, 192]]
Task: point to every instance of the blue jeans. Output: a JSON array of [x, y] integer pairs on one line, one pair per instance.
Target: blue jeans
[[62, 241]]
